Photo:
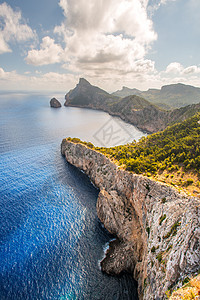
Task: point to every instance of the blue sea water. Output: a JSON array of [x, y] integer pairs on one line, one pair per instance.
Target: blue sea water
[[51, 240]]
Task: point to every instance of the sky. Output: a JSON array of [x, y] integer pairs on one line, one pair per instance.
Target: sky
[[50, 44]]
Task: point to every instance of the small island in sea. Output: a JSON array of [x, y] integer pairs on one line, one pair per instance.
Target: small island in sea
[[55, 103]]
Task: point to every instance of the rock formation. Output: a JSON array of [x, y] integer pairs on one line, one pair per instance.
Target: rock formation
[[132, 109], [55, 103], [157, 228]]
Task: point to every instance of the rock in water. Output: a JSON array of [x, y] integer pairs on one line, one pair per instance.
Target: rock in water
[[55, 103]]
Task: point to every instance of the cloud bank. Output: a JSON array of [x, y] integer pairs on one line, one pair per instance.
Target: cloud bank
[[105, 41], [12, 28], [100, 37]]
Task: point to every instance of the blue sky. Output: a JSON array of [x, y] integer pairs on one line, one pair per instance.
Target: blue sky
[[49, 44]]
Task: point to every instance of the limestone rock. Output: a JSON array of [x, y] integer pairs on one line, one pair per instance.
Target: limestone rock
[[157, 228], [55, 103]]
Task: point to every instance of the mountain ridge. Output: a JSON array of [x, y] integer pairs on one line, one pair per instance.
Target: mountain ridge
[[169, 96], [133, 109]]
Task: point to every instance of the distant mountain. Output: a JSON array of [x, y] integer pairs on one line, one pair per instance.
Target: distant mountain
[[169, 96], [133, 109], [87, 95], [124, 92]]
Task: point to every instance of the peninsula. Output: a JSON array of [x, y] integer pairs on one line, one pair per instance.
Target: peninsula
[[156, 226], [133, 109]]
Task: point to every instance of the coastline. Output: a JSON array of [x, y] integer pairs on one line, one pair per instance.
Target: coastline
[[122, 117], [128, 205]]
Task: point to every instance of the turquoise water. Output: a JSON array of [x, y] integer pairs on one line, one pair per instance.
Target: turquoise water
[[51, 240]]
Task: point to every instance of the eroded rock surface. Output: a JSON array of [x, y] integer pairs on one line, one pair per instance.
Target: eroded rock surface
[[157, 228]]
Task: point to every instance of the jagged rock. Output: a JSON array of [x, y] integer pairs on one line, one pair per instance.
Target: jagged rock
[[157, 228], [55, 103]]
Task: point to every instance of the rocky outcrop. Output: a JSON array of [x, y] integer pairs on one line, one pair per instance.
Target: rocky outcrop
[[87, 95], [132, 109], [157, 228], [55, 103]]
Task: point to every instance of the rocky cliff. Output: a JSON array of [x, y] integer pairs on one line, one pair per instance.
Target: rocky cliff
[[157, 228]]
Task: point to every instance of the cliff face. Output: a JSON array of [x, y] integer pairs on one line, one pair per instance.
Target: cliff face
[[87, 95], [157, 228]]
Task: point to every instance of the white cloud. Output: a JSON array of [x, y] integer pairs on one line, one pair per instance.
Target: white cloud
[[12, 28], [144, 77], [174, 67], [48, 81], [49, 53], [110, 16], [100, 36], [3, 45], [191, 70], [177, 68]]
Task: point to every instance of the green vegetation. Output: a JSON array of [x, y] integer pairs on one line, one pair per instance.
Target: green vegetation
[[148, 230], [162, 218], [175, 147], [78, 141], [173, 230], [159, 256], [171, 156], [186, 280], [189, 290], [170, 247]]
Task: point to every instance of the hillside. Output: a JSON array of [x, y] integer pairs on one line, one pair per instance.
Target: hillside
[[133, 109], [169, 96], [171, 156], [125, 91], [156, 227]]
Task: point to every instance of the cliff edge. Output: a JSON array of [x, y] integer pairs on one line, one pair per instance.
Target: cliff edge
[[157, 228]]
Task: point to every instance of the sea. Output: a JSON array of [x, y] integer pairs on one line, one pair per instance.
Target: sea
[[51, 241]]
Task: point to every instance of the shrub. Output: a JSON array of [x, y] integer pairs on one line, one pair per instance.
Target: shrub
[[162, 218], [173, 230], [148, 230], [189, 181], [159, 256]]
